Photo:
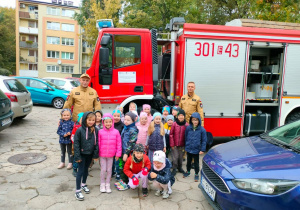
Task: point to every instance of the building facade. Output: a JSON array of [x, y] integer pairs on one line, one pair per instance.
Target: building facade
[[48, 40]]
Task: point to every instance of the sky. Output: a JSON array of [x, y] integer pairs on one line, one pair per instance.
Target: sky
[[12, 3]]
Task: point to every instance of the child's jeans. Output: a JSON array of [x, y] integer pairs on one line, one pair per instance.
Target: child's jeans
[[106, 167], [177, 156], [144, 180], [190, 157], [121, 167], [83, 168], [150, 155], [117, 167], [160, 186], [63, 148]]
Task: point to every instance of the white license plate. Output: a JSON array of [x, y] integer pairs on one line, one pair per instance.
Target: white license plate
[[27, 109], [6, 121], [208, 188]]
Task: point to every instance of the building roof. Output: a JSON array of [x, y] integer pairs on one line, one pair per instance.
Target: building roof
[[49, 3]]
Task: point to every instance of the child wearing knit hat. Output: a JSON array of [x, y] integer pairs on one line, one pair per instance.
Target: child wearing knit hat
[[167, 126], [147, 110], [177, 141], [175, 111], [129, 138], [165, 112], [156, 136], [137, 166], [161, 174], [142, 126]]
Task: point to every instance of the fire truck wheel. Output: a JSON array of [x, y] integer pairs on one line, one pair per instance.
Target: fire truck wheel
[[293, 116]]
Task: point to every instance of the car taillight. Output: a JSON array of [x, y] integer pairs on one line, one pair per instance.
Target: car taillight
[[12, 97]]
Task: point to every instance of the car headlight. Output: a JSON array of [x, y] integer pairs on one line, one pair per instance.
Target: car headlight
[[265, 186]]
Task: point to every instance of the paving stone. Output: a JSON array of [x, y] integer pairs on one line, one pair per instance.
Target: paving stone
[[195, 195], [181, 186], [20, 195], [37, 147], [177, 196], [190, 204], [56, 180], [166, 204], [18, 177], [57, 206], [206, 205], [40, 202]]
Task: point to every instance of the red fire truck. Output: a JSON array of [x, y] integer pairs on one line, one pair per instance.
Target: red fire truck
[[247, 78]]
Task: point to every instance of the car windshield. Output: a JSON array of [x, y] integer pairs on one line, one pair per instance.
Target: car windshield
[[74, 83], [288, 134], [14, 85], [53, 85]]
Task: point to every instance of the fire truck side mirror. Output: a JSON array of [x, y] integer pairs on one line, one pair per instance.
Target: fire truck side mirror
[[104, 57]]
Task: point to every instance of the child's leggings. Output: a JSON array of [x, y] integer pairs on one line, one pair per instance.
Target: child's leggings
[[63, 148], [106, 169], [160, 186], [143, 178], [83, 168]]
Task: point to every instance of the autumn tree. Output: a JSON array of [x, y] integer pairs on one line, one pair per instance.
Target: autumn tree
[[7, 39]]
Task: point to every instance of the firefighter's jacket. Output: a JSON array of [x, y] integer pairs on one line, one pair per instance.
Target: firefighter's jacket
[[82, 100], [191, 104]]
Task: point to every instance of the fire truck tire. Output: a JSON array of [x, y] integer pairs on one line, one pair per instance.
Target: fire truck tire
[[293, 116]]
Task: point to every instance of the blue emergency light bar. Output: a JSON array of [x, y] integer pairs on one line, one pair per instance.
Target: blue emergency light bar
[[104, 23]]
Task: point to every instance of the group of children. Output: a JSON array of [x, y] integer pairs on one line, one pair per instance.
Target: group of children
[[132, 146]]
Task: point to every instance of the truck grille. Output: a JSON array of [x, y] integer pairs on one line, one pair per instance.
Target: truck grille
[[214, 178]]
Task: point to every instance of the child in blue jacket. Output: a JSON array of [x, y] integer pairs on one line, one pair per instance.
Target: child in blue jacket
[[195, 144], [161, 174]]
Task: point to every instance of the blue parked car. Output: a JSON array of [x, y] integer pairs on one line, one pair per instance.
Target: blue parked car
[[259, 172], [44, 92]]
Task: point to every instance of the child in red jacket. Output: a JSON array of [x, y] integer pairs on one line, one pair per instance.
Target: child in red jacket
[[76, 126], [137, 166]]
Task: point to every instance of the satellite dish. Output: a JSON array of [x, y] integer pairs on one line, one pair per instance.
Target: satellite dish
[[59, 62]]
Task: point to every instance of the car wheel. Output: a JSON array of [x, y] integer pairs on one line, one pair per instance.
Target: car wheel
[[58, 103], [294, 116]]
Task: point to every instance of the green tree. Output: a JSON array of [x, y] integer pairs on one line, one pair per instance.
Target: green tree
[[7, 39]]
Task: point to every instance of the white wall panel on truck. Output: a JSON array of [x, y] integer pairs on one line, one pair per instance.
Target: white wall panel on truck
[[291, 85], [217, 67]]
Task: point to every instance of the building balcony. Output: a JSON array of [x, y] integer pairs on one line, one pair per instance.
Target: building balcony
[[30, 59], [28, 73], [28, 45], [28, 30], [27, 15]]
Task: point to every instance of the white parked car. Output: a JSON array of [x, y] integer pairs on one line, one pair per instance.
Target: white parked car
[[20, 97], [66, 84]]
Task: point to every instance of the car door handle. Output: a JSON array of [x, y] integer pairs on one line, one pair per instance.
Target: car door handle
[[138, 89]]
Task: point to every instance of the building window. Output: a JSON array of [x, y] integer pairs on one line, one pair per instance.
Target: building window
[[23, 38], [68, 13], [52, 54], [53, 11], [84, 69], [53, 40], [67, 27], [32, 66], [31, 52], [32, 24], [67, 69], [53, 26], [67, 41], [32, 9], [51, 68], [67, 55]]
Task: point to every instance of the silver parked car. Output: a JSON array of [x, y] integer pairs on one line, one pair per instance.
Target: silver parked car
[[20, 97], [66, 84]]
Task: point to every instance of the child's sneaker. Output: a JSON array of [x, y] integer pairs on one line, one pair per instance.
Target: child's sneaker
[[122, 188], [180, 170], [79, 196], [157, 193], [108, 190], [165, 194], [102, 188], [186, 174], [70, 166], [85, 189], [196, 177], [145, 192], [61, 165]]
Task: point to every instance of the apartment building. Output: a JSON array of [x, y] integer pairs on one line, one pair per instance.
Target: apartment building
[[48, 40]]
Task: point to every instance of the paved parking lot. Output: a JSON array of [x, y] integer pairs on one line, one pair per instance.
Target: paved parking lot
[[43, 186]]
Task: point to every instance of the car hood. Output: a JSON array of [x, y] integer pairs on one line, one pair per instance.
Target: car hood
[[254, 157]]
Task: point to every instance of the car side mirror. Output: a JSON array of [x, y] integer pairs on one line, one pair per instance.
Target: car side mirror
[[104, 57], [47, 89]]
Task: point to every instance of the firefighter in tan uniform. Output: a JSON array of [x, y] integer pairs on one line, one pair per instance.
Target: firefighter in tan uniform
[[83, 98], [191, 103]]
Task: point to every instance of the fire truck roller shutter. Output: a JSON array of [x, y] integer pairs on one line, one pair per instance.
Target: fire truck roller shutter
[[290, 106], [217, 67]]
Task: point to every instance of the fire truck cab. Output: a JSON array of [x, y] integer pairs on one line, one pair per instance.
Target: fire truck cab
[[247, 77]]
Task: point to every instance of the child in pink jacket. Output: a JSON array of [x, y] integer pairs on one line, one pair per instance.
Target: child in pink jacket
[[142, 126], [147, 109], [110, 145]]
